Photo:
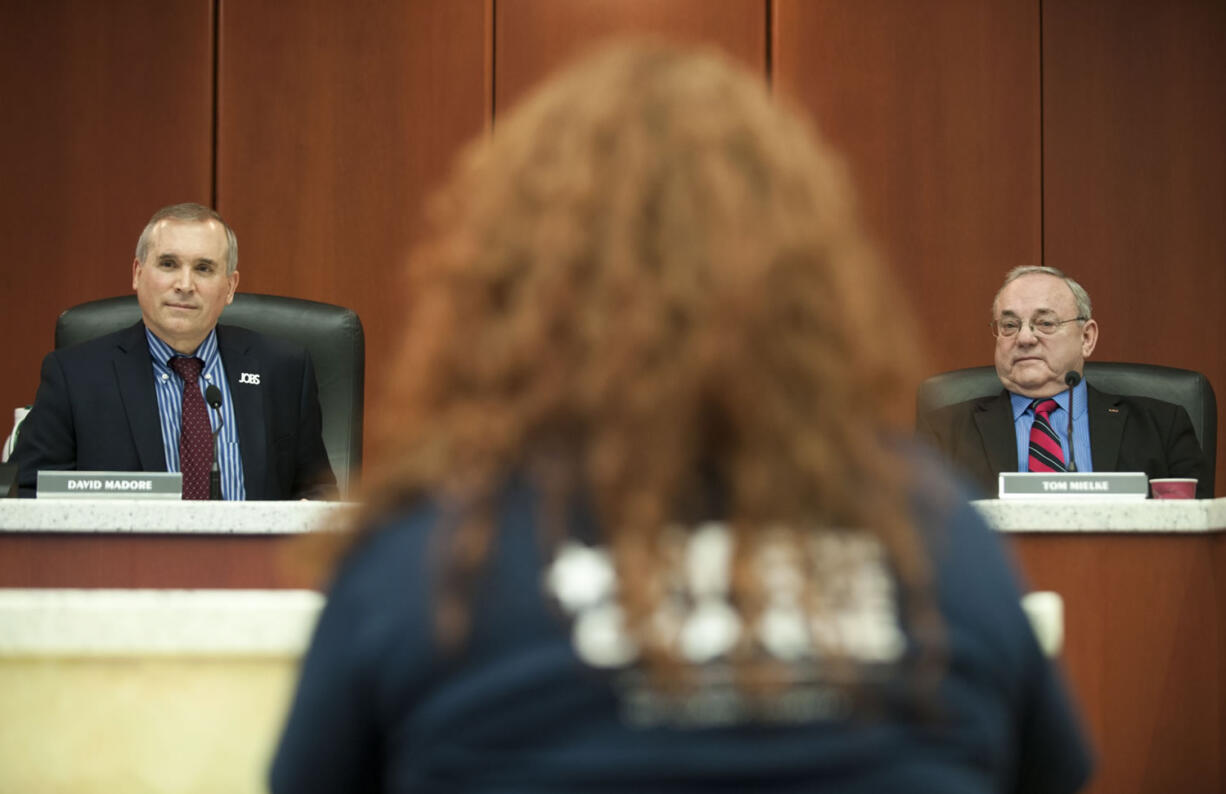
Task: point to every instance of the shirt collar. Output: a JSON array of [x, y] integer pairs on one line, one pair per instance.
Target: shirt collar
[[162, 353], [1021, 403]]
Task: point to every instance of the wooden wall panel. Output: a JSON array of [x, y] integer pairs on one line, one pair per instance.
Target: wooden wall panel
[[107, 117], [334, 124], [1134, 173], [534, 37], [936, 107]]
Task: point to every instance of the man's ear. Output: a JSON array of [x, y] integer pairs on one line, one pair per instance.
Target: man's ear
[[233, 279], [135, 273], [1089, 338]]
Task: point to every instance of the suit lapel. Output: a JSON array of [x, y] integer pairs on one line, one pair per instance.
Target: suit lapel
[[994, 418], [134, 377], [248, 412], [1106, 417]]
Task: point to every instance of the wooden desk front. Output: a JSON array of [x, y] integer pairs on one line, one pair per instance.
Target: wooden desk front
[[1144, 587], [156, 544]]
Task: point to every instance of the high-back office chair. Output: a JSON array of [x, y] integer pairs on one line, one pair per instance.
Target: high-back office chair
[[1183, 387], [332, 334]]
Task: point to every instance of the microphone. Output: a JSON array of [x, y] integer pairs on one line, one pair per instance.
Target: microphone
[[1071, 379], [212, 396]]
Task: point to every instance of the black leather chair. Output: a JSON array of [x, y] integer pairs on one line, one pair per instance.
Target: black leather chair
[[332, 334], [1183, 387]]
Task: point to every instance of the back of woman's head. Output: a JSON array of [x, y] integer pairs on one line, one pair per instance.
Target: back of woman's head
[[651, 271], [653, 259]]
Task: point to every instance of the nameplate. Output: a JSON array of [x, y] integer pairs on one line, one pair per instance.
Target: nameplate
[[110, 485], [1107, 485]]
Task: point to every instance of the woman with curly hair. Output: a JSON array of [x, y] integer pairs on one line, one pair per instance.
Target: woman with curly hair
[[642, 515]]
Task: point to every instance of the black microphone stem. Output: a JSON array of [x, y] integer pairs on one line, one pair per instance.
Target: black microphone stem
[[215, 475], [212, 396], [1072, 379]]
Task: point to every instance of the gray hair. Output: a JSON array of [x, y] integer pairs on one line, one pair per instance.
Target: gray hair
[[192, 213], [1080, 296]]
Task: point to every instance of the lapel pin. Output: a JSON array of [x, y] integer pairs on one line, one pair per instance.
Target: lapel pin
[[249, 377]]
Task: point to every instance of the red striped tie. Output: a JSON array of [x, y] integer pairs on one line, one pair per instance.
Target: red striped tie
[[196, 433], [1046, 453]]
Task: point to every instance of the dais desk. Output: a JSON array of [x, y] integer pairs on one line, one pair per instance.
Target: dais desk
[[1144, 588], [172, 544]]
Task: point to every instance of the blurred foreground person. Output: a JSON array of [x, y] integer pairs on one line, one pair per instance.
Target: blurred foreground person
[[643, 520]]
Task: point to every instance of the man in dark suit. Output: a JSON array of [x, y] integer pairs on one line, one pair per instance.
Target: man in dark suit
[[122, 401], [1044, 330]]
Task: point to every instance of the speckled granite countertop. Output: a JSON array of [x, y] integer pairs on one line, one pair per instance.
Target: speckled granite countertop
[[1070, 515], [122, 515], [257, 518]]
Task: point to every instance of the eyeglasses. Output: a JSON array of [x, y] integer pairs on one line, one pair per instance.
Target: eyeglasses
[[1010, 326]]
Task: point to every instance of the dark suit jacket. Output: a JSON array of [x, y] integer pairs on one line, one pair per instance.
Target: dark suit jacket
[[96, 410], [1126, 434]]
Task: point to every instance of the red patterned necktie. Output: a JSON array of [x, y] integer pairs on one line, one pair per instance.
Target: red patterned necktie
[[1046, 453], [196, 435]]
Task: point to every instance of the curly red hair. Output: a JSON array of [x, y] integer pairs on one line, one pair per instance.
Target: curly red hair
[[651, 269]]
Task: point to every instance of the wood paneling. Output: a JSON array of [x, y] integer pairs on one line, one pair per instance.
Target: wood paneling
[[1134, 174], [122, 560], [107, 117], [534, 37], [936, 107], [981, 135], [1145, 646], [335, 122]]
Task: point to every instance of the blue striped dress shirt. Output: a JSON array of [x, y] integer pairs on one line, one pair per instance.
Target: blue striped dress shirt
[[169, 388], [1023, 418]]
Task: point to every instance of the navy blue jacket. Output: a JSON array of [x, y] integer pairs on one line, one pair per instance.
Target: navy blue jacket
[[381, 708]]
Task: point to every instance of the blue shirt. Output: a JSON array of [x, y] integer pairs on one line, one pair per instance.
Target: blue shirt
[[1023, 418], [169, 388]]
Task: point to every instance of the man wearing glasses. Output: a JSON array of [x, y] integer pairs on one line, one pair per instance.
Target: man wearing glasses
[[1044, 331]]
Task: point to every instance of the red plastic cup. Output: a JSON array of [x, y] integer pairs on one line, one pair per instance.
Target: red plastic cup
[[1173, 488]]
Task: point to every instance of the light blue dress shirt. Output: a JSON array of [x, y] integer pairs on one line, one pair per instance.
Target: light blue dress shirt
[[1023, 418], [169, 388]]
